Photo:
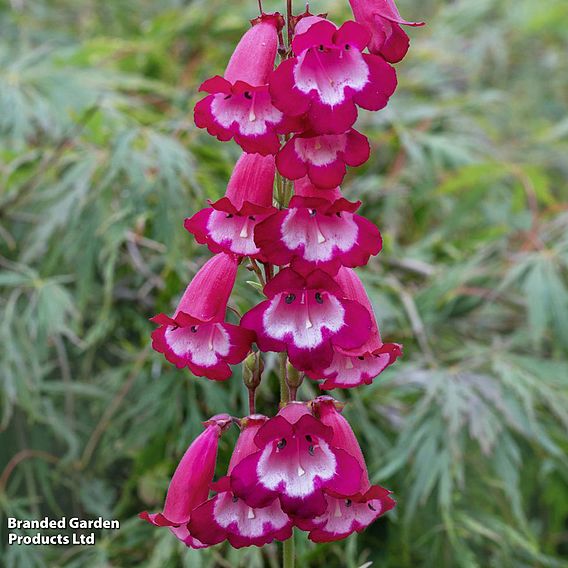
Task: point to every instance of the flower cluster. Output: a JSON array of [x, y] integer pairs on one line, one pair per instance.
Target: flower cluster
[[295, 124], [301, 468]]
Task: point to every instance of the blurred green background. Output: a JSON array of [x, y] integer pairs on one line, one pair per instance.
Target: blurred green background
[[468, 181]]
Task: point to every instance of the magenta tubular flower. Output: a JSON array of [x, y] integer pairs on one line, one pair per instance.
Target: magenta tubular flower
[[322, 158], [353, 367], [318, 233], [345, 513], [189, 486], [228, 225], [307, 316], [239, 104], [226, 517], [383, 20], [295, 463], [330, 76], [197, 337]]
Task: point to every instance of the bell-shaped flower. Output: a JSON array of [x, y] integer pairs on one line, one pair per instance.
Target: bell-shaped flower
[[383, 20], [320, 230], [307, 316], [197, 336], [227, 517], [228, 225], [189, 486], [323, 158], [353, 367], [239, 104], [295, 463], [330, 75], [345, 513]]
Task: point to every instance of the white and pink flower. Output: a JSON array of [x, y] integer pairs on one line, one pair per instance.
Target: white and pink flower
[[323, 158], [320, 230], [197, 336], [239, 105], [228, 224], [295, 463], [330, 76], [307, 316]]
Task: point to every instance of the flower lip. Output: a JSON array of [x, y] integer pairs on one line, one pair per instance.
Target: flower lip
[[325, 35], [289, 280]]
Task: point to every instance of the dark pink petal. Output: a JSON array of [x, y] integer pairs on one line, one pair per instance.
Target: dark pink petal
[[327, 119], [396, 42], [357, 149], [353, 289], [357, 326], [352, 34], [285, 96], [290, 163], [285, 280], [305, 188], [216, 84], [321, 32], [381, 85]]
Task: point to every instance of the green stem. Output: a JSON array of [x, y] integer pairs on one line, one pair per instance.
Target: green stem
[[284, 390], [289, 555]]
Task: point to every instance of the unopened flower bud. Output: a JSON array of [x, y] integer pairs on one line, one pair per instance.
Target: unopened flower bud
[[294, 379], [253, 368]]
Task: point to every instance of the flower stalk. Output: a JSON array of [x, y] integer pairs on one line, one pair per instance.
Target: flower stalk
[[283, 217]]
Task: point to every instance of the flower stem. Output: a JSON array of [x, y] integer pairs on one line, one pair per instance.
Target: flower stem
[[284, 390], [284, 194], [288, 552], [289, 14]]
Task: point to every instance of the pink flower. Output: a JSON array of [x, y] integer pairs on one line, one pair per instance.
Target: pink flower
[[345, 513], [197, 337], [307, 316], [189, 486], [323, 158], [228, 225], [353, 367], [295, 462], [319, 231], [239, 104], [330, 76], [383, 20], [226, 517]]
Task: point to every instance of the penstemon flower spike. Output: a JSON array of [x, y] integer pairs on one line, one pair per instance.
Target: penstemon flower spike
[[302, 468]]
